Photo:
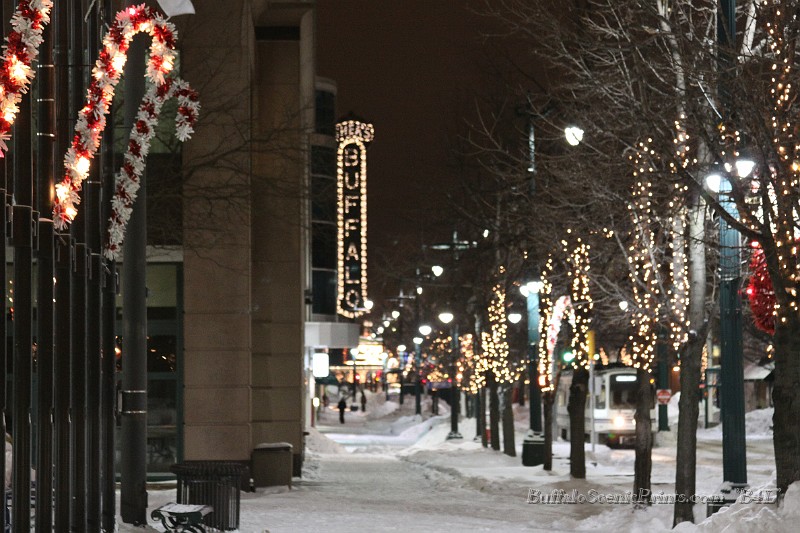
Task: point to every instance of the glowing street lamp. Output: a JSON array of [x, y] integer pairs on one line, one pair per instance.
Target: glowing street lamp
[[533, 443], [425, 330], [734, 457], [574, 135], [437, 270], [446, 318], [514, 318]]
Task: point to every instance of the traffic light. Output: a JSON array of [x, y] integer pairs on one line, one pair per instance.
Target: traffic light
[[567, 357]]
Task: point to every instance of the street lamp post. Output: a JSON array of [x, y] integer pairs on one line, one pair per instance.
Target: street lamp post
[[734, 456], [424, 330], [446, 318], [533, 443]]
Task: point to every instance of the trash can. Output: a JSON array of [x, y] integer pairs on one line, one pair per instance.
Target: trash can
[[533, 449], [214, 483], [271, 464]]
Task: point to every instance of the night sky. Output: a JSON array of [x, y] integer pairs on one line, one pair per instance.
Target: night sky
[[411, 67]]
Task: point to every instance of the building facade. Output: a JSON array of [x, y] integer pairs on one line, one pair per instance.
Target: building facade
[[245, 238], [258, 228]]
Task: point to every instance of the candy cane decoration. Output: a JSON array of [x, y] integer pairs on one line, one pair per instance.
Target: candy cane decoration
[[129, 177], [21, 48], [105, 76]]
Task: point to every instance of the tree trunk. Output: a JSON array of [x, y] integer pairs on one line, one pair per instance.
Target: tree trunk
[[508, 421], [494, 413], [577, 423], [686, 457], [686, 460], [480, 416], [643, 464], [547, 403], [786, 399], [480, 406]]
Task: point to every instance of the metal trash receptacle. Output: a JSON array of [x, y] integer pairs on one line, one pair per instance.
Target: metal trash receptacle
[[271, 464], [214, 483]]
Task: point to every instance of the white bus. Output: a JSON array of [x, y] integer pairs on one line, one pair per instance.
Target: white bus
[[614, 406]]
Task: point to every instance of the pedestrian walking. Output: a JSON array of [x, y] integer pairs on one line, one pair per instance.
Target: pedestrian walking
[[342, 406], [363, 402]]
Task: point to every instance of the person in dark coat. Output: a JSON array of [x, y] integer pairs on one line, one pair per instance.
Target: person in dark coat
[[363, 402], [342, 406]]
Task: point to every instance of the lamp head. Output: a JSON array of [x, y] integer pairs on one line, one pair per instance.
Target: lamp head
[[446, 317]]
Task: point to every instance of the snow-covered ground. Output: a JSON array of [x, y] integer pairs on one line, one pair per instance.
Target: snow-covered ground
[[389, 470]]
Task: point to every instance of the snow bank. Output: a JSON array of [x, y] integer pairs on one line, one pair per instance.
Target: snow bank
[[748, 517], [316, 442], [380, 410], [758, 424]]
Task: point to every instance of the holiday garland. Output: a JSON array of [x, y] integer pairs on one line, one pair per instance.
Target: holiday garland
[[761, 293], [19, 51], [129, 177], [105, 76]]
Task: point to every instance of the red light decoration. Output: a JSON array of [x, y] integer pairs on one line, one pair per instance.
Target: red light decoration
[[761, 293]]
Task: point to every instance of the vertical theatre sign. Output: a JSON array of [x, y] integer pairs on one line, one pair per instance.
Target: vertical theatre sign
[[353, 137]]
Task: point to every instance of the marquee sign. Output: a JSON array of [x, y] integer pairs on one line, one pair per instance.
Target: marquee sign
[[353, 137]]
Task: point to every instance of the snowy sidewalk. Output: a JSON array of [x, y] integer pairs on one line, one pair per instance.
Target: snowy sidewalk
[[389, 470]]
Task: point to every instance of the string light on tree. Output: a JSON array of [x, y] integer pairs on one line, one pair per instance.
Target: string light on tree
[[548, 331], [495, 342], [643, 271], [577, 254]]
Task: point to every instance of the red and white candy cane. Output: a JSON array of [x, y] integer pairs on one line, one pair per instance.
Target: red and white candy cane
[[105, 76], [129, 177], [19, 51]]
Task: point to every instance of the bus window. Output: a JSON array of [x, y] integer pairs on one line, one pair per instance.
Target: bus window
[[600, 398], [623, 391]]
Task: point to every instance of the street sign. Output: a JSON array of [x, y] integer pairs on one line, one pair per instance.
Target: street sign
[[663, 396]]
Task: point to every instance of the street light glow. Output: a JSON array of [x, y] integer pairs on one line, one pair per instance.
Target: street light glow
[[401, 348], [514, 318], [714, 182], [395, 313], [425, 330], [417, 340], [419, 290], [532, 287], [437, 270], [744, 167], [446, 317], [574, 135]]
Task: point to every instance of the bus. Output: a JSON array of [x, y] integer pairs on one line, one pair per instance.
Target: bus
[[614, 406]]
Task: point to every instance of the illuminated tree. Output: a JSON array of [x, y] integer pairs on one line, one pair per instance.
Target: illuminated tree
[[655, 68]]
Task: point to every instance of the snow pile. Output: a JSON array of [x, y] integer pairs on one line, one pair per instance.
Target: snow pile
[[381, 410], [399, 426], [653, 519], [747, 517], [316, 442], [416, 431], [758, 424]]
